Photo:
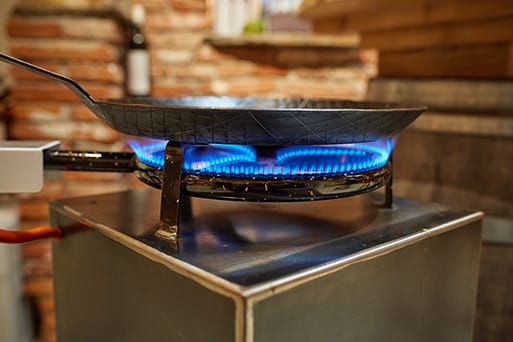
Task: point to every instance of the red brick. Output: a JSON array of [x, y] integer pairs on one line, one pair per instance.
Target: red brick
[[157, 5], [161, 71], [207, 53], [189, 5], [235, 69], [39, 111], [196, 72], [103, 29], [186, 21], [66, 50], [78, 71], [46, 308], [117, 146], [79, 112], [64, 131], [314, 73], [53, 91], [172, 90], [371, 70], [172, 39], [65, 27], [355, 74], [35, 28], [37, 249], [37, 267], [321, 89], [170, 56], [34, 209], [242, 87], [65, 4], [93, 131], [46, 304], [97, 72], [269, 70], [21, 74], [368, 56], [39, 287], [27, 224], [48, 327], [42, 91]]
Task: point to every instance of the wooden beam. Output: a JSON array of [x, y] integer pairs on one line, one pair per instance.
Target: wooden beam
[[461, 34]]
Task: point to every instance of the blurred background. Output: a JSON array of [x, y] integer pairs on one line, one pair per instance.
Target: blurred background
[[454, 56]]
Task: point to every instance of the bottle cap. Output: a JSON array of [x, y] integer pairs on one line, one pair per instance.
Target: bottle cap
[[138, 14]]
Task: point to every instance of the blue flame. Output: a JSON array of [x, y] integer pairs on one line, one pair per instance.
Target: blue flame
[[149, 152], [290, 161]]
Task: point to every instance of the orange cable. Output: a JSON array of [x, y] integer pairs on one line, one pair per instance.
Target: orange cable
[[32, 234]]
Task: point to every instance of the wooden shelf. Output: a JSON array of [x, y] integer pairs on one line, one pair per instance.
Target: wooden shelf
[[287, 40], [291, 50]]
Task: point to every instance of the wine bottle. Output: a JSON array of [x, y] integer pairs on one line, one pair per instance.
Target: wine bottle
[[137, 56]]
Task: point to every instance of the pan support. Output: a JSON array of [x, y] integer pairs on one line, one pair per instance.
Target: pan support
[[171, 192], [174, 205], [389, 196]]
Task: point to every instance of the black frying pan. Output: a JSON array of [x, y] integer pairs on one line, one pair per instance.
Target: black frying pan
[[252, 121]]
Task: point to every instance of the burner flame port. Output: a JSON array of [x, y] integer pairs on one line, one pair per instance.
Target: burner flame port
[[243, 161]]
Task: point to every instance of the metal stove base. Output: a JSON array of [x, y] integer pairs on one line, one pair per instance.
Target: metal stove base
[[257, 272]]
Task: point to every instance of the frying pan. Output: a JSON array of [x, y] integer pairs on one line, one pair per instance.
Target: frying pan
[[251, 121]]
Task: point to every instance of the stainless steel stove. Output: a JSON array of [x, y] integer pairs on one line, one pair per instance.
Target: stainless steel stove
[[344, 269]]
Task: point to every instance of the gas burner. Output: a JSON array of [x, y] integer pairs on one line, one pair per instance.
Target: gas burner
[[240, 172], [245, 173], [242, 161]]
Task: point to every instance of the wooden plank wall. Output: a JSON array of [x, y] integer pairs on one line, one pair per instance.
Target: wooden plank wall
[[456, 57], [426, 38]]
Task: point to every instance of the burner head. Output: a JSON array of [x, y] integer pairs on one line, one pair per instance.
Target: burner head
[[246, 173], [242, 161]]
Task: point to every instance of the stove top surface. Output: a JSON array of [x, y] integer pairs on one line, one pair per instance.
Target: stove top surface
[[252, 245]]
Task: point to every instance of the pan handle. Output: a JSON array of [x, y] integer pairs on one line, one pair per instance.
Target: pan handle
[[87, 99]]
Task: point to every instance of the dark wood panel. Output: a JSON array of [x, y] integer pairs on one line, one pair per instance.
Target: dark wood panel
[[415, 15], [319, 9], [494, 316], [457, 170], [466, 95], [486, 61]]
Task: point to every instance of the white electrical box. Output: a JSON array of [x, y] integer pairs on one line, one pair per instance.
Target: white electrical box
[[22, 165]]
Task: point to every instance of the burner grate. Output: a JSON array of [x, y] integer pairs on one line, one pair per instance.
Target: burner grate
[[242, 161]]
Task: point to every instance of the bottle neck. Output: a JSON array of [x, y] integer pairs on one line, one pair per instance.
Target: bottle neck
[[137, 39]]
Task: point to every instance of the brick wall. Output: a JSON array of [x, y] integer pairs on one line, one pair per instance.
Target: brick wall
[[88, 47], [183, 63]]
